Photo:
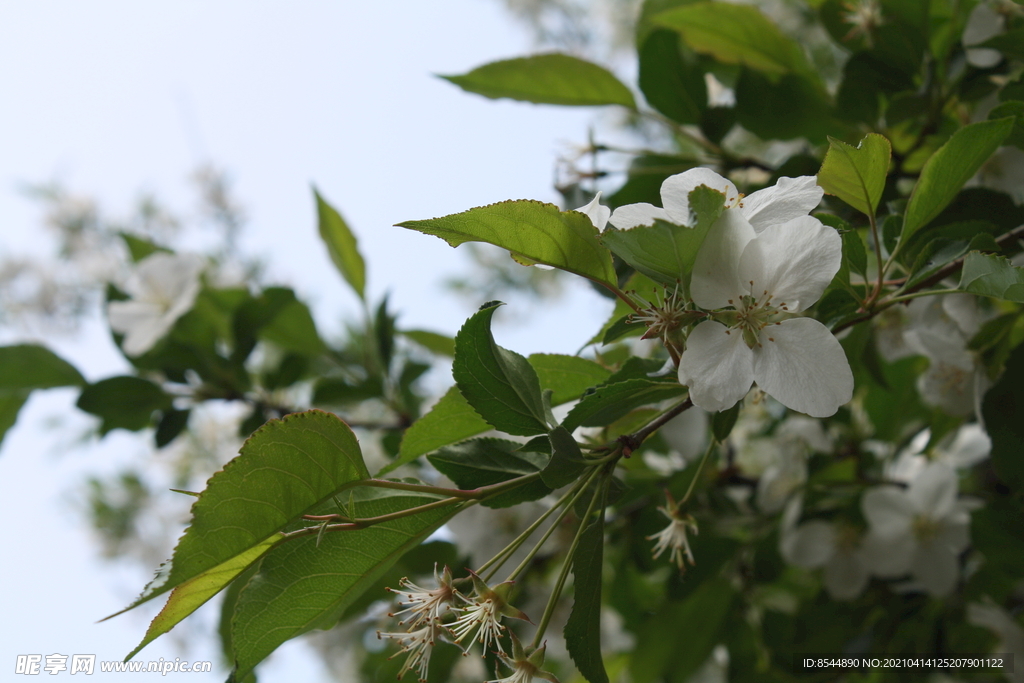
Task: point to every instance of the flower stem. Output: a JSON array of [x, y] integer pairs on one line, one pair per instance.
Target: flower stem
[[566, 565], [700, 468]]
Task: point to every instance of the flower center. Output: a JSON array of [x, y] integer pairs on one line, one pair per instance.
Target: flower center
[[925, 528], [754, 313]]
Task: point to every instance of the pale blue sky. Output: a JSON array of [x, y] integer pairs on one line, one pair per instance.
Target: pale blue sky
[[116, 97]]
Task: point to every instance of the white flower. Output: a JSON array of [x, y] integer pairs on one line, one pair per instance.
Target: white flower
[[983, 23], [425, 605], [674, 536], [163, 288], [482, 614], [766, 260], [966, 447], [789, 198], [1002, 623], [920, 530], [419, 643], [597, 213], [524, 667], [834, 547]]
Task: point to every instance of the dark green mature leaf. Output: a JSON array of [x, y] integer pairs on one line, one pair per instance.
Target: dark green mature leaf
[[566, 376], [27, 366], [172, 423], [500, 384], [123, 402], [451, 420], [303, 585], [723, 421], [583, 628], [546, 79], [1013, 108], [10, 404], [194, 593], [949, 168], [670, 84], [793, 106], [341, 245], [942, 251], [534, 232], [701, 617], [482, 462], [990, 275], [1010, 43], [610, 402], [284, 469], [1002, 407], [736, 34], [566, 462], [857, 174], [855, 256], [665, 252]]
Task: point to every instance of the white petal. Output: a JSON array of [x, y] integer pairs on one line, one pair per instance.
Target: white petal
[[597, 212], [632, 215], [970, 446], [935, 568], [717, 366], [788, 199], [801, 364], [933, 493], [811, 545], [675, 192], [955, 534], [845, 575], [716, 277], [889, 512], [794, 261], [888, 557]]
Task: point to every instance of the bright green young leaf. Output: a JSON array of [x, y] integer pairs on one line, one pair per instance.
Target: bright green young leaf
[[670, 85], [583, 628], [546, 79], [123, 402], [27, 366], [139, 247], [566, 462], [500, 384], [990, 275], [611, 401], [451, 420], [285, 468], [534, 232], [440, 344], [949, 168], [567, 376], [301, 585], [664, 251], [857, 174], [341, 245], [482, 462], [736, 34], [191, 595]]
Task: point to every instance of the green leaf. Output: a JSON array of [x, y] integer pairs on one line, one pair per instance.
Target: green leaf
[[949, 168], [482, 462], [566, 376], [792, 106], [1010, 43], [701, 617], [736, 34], [139, 247], [10, 404], [671, 85], [583, 628], [857, 174], [27, 366], [293, 329], [1014, 108], [302, 585], [566, 463], [611, 401], [123, 402], [665, 252], [990, 275], [451, 420], [441, 344], [172, 423], [287, 467], [533, 232], [191, 595], [723, 421], [340, 392], [546, 79], [341, 245], [500, 384], [854, 254], [1002, 408]]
